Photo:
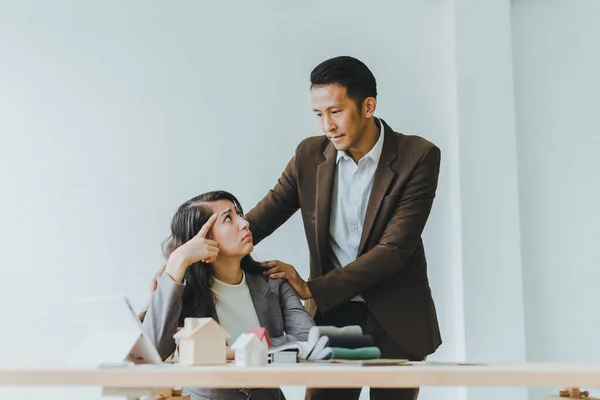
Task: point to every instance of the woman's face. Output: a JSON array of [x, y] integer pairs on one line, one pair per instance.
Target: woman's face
[[230, 230]]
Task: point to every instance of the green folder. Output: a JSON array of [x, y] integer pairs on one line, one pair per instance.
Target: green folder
[[363, 353]]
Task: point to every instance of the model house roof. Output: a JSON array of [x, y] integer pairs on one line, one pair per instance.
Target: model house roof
[[245, 340], [193, 326], [261, 334]]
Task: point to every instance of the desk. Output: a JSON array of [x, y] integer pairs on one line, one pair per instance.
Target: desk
[[148, 379]]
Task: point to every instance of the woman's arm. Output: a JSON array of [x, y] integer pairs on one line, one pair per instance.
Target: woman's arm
[[296, 320], [162, 317]]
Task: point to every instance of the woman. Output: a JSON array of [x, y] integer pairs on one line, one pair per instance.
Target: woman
[[210, 273]]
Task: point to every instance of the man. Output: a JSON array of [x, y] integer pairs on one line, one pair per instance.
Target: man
[[365, 193]]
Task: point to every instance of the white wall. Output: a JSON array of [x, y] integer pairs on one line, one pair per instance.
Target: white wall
[[112, 114], [556, 63], [492, 283]]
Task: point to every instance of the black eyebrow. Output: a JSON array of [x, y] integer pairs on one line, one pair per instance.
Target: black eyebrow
[[328, 108]]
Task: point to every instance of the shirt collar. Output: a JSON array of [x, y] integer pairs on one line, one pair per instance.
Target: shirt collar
[[374, 154]]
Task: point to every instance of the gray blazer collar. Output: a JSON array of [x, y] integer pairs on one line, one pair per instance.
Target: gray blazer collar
[[261, 294]]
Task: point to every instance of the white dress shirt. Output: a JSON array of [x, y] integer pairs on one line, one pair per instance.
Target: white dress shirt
[[351, 191]]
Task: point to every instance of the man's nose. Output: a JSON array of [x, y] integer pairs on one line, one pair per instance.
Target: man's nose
[[328, 124]]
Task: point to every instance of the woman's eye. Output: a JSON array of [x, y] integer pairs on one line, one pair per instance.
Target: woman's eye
[[227, 218]]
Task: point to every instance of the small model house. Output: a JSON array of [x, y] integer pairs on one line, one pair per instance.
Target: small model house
[[201, 341], [249, 351], [262, 335]]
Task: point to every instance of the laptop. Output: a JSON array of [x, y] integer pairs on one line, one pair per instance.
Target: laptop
[[113, 334]]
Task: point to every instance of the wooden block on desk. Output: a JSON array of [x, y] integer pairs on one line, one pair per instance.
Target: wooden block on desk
[[178, 396], [572, 393], [174, 394]]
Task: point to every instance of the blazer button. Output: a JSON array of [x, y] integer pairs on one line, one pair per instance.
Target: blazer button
[[329, 304]]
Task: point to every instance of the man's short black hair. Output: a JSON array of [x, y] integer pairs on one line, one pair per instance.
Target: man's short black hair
[[348, 72]]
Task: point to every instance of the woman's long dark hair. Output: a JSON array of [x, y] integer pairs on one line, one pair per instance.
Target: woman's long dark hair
[[190, 217]]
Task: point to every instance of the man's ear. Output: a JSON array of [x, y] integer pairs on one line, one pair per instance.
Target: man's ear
[[368, 107]]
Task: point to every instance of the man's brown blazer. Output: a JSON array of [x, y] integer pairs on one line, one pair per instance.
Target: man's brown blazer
[[390, 271]]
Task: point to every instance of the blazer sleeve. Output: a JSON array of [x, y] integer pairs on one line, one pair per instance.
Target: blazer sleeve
[[296, 320], [162, 316], [277, 206], [400, 238]]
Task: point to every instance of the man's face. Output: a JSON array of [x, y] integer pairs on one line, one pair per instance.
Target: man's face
[[339, 117]]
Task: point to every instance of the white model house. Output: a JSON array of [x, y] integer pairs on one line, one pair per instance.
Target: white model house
[[250, 351], [262, 335], [201, 341]]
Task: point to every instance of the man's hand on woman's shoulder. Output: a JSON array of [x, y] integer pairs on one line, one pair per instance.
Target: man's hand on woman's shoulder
[[279, 270]]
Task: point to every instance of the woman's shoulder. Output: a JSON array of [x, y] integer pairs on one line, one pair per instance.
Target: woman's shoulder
[[258, 281]]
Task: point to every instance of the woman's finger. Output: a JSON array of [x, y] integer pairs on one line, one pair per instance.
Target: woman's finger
[[209, 259], [211, 242], [204, 230], [213, 248]]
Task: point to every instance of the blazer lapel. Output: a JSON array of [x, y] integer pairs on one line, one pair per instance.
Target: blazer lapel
[[259, 291], [384, 176], [325, 179]]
